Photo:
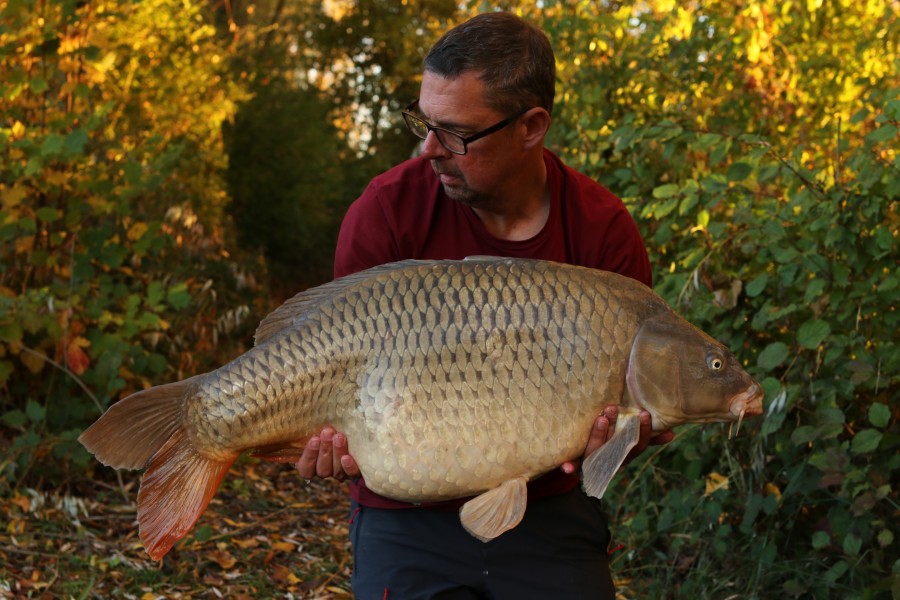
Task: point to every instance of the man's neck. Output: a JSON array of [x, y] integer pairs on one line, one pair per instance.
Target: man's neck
[[520, 219]]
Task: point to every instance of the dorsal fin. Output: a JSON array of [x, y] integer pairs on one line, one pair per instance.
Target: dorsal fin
[[295, 309]]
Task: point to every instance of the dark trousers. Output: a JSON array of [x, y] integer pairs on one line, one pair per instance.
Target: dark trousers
[[559, 550]]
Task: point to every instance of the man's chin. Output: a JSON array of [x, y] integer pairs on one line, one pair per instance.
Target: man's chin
[[458, 194]]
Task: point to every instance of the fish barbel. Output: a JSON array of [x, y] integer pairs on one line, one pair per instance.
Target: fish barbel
[[449, 378]]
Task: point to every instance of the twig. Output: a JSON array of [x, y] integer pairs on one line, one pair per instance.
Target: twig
[[62, 368]]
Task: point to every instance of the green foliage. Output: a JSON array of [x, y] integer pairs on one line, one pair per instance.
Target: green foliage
[[286, 183], [768, 195], [108, 200]]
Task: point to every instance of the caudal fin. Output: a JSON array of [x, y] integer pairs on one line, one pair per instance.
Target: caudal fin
[[133, 429], [176, 489], [144, 430]]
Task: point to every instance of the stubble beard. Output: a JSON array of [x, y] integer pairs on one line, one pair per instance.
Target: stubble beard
[[462, 193]]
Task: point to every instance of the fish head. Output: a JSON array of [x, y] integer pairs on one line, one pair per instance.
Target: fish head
[[679, 375]]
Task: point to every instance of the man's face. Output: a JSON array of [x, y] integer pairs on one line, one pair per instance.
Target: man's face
[[478, 177]]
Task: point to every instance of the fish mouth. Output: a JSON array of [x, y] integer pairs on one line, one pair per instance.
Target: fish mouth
[[748, 402]]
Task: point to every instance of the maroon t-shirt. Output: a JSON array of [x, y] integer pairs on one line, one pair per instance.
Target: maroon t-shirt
[[404, 213]]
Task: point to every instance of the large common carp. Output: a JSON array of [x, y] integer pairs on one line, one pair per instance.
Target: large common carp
[[449, 378]]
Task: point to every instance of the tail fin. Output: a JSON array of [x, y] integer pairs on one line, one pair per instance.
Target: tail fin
[[132, 430], [176, 489], [144, 430]]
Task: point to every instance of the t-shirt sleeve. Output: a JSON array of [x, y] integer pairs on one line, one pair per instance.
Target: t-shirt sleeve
[[628, 254], [365, 239]]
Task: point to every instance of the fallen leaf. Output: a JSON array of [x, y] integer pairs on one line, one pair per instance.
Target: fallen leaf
[[224, 559], [284, 546]]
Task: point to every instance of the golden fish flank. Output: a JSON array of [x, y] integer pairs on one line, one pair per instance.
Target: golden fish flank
[[450, 379]]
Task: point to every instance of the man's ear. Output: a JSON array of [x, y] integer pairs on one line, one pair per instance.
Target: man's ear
[[536, 122]]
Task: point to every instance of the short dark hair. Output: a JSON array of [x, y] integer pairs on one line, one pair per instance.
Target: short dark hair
[[514, 59]]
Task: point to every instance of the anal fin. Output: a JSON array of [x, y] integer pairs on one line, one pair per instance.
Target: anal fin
[[601, 466], [279, 453], [495, 511]]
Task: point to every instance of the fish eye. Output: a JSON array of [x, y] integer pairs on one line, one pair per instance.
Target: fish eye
[[715, 362]]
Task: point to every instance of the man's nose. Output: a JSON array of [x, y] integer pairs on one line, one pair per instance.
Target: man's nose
[[432, 147]]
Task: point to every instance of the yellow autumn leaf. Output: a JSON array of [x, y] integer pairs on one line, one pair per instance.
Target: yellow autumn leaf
[[18, 129], [715, 482], [13, 196], [16, 527], [24, 244], [283, 546], [772, 489], [33, 362], [23, 502], [224, 559], [137, 231]]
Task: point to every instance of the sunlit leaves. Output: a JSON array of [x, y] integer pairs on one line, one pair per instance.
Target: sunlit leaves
[[758, 150], [112, 114]]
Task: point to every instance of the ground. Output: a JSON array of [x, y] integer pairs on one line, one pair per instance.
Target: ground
[[266, 534]]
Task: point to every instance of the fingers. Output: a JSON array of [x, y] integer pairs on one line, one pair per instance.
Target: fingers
[[307, 463], [605, 427], [326, 455], [348, 463], [601, 432], [663, 437], [325, 460]]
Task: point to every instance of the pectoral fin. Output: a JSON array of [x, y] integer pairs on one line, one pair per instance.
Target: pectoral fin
[[600, 467], [495, 511]]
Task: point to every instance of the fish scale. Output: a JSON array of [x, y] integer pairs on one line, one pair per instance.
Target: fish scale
[[449, 378]]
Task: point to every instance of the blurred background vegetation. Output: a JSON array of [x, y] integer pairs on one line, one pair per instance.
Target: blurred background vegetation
[[171, 170]]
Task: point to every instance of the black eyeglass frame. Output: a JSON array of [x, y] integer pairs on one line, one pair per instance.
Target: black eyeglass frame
[[408, 116]]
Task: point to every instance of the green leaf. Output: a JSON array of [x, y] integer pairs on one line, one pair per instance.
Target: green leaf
[[865, 441], [15, 418], [178, 296], [203, 533], [852, 544], [739, 171], [39, 85], [803, 435], [883, 133], [879, 415], [665, 208], [812, 333], [53, 144], [773, 355], [154, 294], [756, 287], [36, 413], [47, 214], [666, 191], [6, 369], [75, 142]]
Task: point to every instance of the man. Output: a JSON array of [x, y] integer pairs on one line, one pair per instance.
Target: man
[[483, 185]]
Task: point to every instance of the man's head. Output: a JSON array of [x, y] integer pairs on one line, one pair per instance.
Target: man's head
[[490, 80], [512, 57]]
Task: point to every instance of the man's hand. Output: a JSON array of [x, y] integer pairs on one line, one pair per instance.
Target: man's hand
[[605, 427], [326, 455]]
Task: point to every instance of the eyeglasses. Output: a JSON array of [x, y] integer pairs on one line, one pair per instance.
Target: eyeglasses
[[451, 140]]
